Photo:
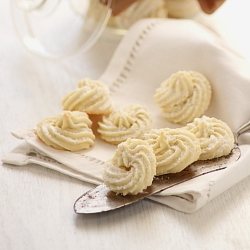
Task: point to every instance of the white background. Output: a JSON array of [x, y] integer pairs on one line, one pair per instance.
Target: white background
[[36, 204]]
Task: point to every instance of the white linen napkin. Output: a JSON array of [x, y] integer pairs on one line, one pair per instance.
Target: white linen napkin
[[152, 50]]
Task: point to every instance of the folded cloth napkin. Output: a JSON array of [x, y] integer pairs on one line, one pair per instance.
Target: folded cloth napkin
[[152, 50]]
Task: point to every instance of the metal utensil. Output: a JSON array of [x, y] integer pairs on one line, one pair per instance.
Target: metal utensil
[[101, 199]]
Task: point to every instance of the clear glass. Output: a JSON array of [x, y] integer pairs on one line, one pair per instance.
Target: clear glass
[[58, 28]]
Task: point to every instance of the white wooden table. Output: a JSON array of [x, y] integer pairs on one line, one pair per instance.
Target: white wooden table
[[36, 204]]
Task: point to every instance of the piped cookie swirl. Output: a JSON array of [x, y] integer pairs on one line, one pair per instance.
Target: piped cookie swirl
[[90, 96], [131, 121], [184, 96], [68, 131], [175, 149], [131, 168], [215, 136]]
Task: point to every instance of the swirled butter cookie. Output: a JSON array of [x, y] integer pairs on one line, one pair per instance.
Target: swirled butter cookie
[[184, 96], [131, 169], [175, 149], [215, 137], [131, 121], [68, 131], [90, 96]]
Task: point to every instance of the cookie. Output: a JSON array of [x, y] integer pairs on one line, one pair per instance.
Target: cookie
[[184, 96], [175, 149], [131, 121], [92, 97], [131, 169], [215, 137], [68, 131]]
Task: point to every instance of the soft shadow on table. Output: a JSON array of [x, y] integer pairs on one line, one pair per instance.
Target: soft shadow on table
[[115, 217], [217, 210], [211, 212]]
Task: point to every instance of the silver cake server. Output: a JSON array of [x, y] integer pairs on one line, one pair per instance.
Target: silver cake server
[[101, 199]]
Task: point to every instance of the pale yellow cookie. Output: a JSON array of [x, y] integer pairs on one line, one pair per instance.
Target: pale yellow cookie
[[175, 149], [131, 169], [92, 97], [184, 96], [215, 137], [131, 121], [68, 131]]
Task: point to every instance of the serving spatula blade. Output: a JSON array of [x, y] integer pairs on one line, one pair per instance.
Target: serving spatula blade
[[101, 199]]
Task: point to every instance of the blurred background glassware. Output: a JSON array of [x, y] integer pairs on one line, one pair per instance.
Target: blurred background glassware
[[60, 28], [147, 9]]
